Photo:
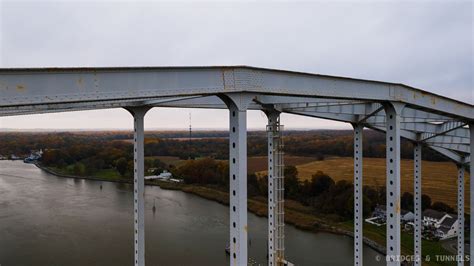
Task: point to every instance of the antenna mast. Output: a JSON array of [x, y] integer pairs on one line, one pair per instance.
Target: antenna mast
[[190, 136], [190, 128]]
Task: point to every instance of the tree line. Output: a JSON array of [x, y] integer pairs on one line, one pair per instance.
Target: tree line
[[87, 153], [312, 143]]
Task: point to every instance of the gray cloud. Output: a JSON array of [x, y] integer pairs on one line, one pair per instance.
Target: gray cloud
[[428, 45]]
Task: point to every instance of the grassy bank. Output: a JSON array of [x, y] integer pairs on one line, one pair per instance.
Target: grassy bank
[[296, 214]]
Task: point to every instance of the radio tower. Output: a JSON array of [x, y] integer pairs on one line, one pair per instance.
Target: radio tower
[[190, 136], [190, 129]]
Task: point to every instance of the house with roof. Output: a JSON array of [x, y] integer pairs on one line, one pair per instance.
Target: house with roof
[[444, 225], [380, 212], [407, 216], [433, 217], [448, 228]]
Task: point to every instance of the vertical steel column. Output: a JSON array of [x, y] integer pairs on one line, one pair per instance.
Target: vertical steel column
[[276, 222], [271, 191], [392, 111], [417, 202], [139, 184], [460, 215], [238, 185], [358, 195], [471, 190]]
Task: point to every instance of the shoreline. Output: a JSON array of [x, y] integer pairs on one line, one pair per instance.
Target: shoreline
[[310, 222]]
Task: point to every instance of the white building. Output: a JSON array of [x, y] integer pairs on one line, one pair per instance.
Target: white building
[[445, 224], [448, 228], [34, 156], [433, 218], [165, 176]]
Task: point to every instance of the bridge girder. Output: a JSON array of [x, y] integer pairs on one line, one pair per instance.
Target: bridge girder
[[396, 109]]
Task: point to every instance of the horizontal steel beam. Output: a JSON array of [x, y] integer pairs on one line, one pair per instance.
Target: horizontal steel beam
[[448, 139], [456, 157], [440, 121], [452, 155], [448, 150], [451, 146], [443, 129], [82, 106], [61, 85]]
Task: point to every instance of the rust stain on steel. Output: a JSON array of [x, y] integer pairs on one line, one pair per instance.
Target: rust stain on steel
[[246, 228], [397, 210], [426, 94], [20, 87]]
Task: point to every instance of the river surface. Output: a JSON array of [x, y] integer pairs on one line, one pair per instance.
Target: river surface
[[49, 220]]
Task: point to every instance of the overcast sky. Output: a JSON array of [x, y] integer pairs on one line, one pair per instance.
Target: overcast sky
[[428, 45]]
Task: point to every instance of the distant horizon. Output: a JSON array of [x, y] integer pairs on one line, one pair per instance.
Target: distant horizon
[[151, 129]]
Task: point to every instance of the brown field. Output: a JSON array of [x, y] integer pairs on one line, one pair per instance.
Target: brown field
[[259, 163], [439, 179]]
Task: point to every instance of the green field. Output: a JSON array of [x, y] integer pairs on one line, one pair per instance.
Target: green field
[[377, 234]]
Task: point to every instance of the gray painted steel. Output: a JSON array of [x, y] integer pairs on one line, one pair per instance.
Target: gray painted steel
[[393, 183], [431, 120], [460, 224], [238, 178], [272, 117], [41, 86], [358, 197], [417, 242], [471, 200], [276, 210], [139, 184]]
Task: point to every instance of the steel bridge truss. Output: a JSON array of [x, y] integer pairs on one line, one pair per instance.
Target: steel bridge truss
[[427, 120]]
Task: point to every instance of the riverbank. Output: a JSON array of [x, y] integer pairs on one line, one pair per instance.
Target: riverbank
[[296, 214]]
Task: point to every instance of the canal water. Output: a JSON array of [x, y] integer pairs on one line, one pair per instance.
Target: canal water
[[49, 220]]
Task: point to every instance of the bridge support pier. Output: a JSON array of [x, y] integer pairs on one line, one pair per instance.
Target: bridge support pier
[[393, 111], [138, 184], [460, 215], [237, 104], [417, 244], [276, 208], [358, 194]]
